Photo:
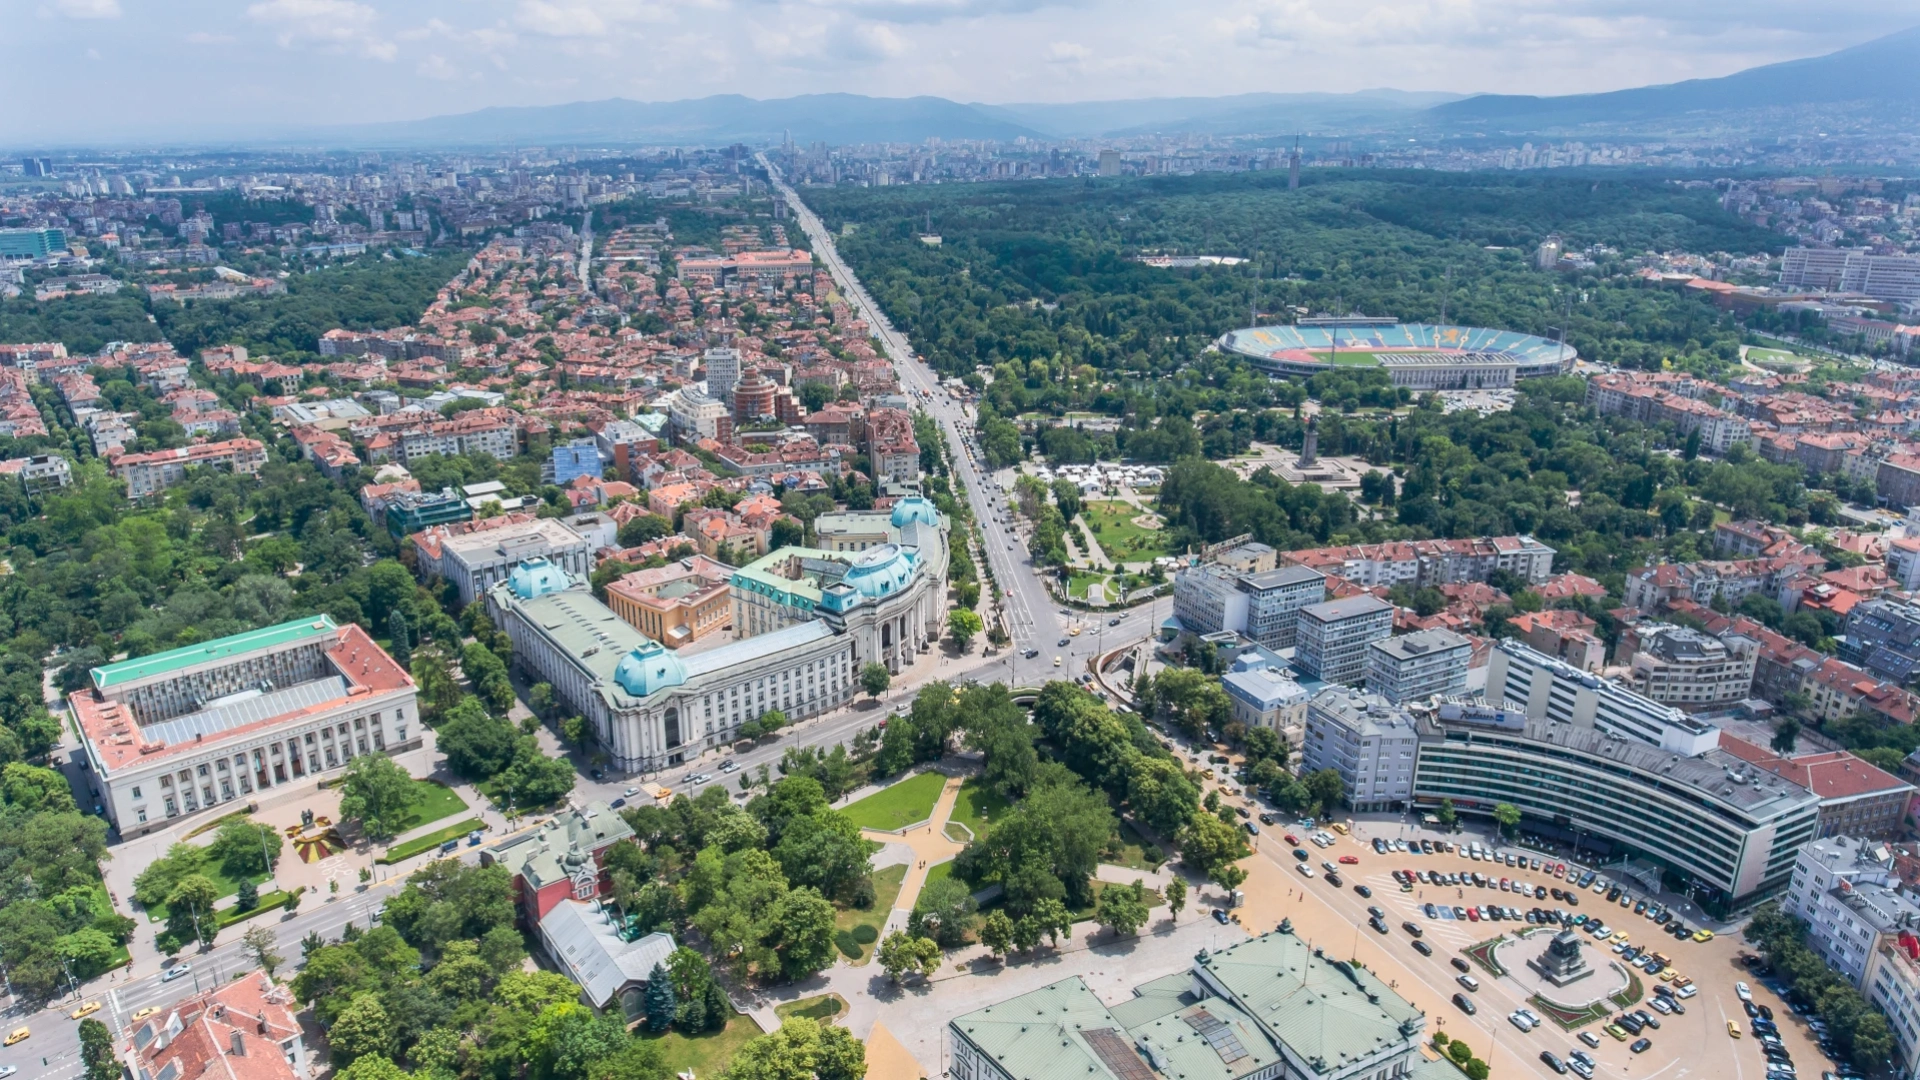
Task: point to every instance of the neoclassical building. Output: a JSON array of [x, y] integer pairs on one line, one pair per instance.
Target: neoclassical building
[[817, 618]]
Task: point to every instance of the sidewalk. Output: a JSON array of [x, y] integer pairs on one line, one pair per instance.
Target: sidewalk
[[930, 847]]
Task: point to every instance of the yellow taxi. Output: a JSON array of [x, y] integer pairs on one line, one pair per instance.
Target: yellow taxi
[[1340, 828], [1620, 937], [151, 1010], [88, 1009], [1617, 1032], [19, 1035], [1703, 935], [1668, 975], [1075, 632], [1733, 1029]]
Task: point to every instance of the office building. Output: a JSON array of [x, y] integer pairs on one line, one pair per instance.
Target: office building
[[1883, 636], [1368, 740], [474, 560], [1691, 669], [1706, 817], [570, 461], [723, 372], [181, 731], [409, 512], [1332, 637], [1544, 688], [1424, 664], [32, 243], [1272, 1007]]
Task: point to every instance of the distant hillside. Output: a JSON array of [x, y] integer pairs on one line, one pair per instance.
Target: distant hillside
[[1874, 83], [1238, 114], [723, 118]]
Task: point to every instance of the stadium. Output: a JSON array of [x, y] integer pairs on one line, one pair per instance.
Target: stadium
[[1417, 355]]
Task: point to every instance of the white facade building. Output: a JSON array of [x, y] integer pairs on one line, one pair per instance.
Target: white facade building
[[1333, 637], [1548, 689], [178, 732], [475, 561], [651, 708], [1371, 742], [1847, 892], [1419, 665]]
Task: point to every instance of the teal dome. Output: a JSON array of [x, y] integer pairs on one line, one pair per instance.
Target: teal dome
[[647, 668], [537, 577], [881, 571], [914, 508]]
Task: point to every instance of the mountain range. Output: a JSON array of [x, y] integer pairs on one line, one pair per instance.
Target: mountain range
[[1867, 87]]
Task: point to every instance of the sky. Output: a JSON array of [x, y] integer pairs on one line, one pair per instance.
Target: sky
[[80, 71]]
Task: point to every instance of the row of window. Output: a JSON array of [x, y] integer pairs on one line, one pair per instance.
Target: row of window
[[278, 763]]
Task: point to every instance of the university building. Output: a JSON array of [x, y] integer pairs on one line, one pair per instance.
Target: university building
[[651, 708], [181, 731]]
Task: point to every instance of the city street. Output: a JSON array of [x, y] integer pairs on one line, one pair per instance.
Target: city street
[[53, 1051], [1032, 620]]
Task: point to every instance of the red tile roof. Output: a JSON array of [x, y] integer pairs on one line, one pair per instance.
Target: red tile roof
[[1835, 775]]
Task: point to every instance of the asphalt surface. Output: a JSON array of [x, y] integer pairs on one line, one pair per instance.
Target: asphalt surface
[[1033, 620], [52, 1052]]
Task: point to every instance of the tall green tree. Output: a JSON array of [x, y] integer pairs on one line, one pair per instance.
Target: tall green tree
[[378, 794], [660, 1002]]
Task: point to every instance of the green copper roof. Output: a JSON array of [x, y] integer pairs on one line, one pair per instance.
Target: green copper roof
[[108, 676]]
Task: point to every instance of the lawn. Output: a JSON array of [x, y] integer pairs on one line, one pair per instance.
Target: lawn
[[848, 921], [707, 1053], [1085, 914], [223, 885], [1111, 523], [822, 1009], [271, 901], [1346, 358], [904, 803], [976, 807], [431, 840], [938, 872], [1081, 582], [429, 801], [1130, 850]]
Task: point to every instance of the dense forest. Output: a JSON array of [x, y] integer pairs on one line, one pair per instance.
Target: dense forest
[[371, 293], [1045, 272]]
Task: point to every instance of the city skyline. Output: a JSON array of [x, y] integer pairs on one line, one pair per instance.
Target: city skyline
[[269, 68]]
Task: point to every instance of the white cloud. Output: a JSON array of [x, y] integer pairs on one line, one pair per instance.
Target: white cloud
[[584, 18], [438, 67], [202, 37], [89, 9], [1067, 52], [331, 24]]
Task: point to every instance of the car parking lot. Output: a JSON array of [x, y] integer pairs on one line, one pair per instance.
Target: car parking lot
[[1694, 1001]]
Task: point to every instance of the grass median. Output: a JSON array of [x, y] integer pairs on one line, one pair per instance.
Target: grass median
[[401, 852]]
